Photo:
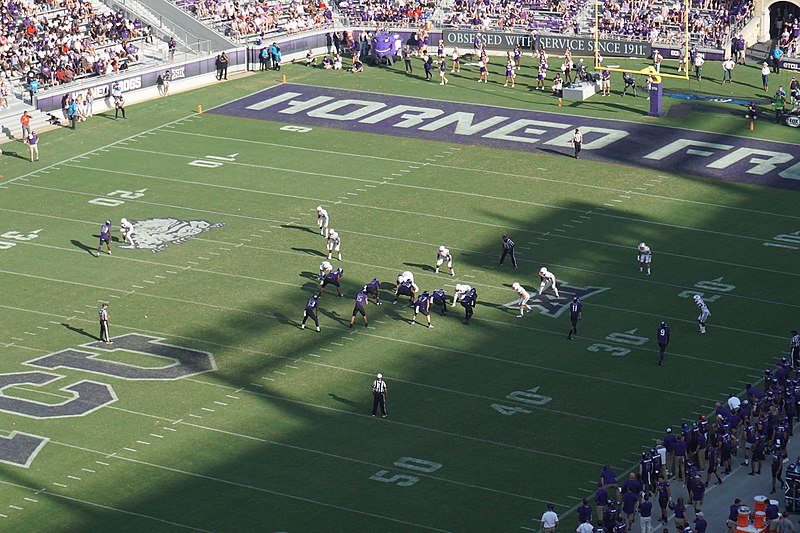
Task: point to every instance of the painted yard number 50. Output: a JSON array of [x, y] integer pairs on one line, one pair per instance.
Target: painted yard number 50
[[409, 463]]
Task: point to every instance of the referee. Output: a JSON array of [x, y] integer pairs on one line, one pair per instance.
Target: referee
[[794, 349], [379, 390], [104, 325], [508, 249]]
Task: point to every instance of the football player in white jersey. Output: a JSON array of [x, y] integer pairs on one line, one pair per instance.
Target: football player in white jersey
[[548, 282], [325, 268], [126, 229], [523, 298], [443, 257], [334, 243], [322, 220], [405, 287], [704, 312], [645, 257], [407, 276], [461, 291]]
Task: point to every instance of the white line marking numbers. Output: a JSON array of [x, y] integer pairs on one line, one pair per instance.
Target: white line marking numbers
[[626, 337], [17, 236], [409, 463], [790, 241], [213, 161], [112, 199], [529, 397], [715, 285]]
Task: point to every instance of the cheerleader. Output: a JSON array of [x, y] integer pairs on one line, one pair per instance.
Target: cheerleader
[[517, 56], [510, 75], [456, 62], [540, 76]]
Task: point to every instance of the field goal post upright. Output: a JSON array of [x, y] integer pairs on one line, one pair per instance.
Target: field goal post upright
[[649, 69]]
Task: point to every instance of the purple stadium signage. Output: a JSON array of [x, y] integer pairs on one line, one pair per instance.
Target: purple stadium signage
[[710, 155], [554, 44]]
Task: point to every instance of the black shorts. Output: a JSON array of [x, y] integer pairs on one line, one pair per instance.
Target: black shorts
[[758, 455], [423, 310], [404, 291], [574, 320], [328, 281], [358, 309], [102, 240]]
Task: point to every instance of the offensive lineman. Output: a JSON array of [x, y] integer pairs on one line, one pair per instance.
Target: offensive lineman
[[311, 311], [522, 303], [373, 288], [126, 229], [704, 312], [548, 282], [333, 278], [440, 299], [405, 286], [322, 221], [334, 243], [325, 268], [443, 256], [645, 257], [468, 302], [461, 291], [422, 305]]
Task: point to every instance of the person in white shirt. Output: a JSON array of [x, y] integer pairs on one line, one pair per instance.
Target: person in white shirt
[[645, 257], [126, 229], [548, 282], [334, 243], [443, 257], [549, 520], [325, 268], [322, 220], [522, 303], [727, 70]]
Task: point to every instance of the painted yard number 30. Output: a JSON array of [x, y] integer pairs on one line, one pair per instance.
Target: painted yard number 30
[[20, 449]]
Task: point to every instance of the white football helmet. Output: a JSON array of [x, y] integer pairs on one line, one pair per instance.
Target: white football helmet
[[516, 286], [123, 221], [459, 287], [543, 271], [642, 246], [697, 298], [442, 249], [326, 265], [319, 209], [331, 233]]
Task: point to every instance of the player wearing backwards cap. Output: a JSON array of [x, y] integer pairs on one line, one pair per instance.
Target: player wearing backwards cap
[[105, 237], [126, 229], [522, 302], [334, 243], [704, 312], [325, 268], [548, 282], [405, 286], [379, 390], [575, 312], [322, 221], [422, 305], [645, 256], [662, 336], [311, 310], [443, 256], [361, 302]]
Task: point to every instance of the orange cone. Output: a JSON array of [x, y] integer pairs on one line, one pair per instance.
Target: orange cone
[[752, 125], [559, 102], [283, 78], [199, 108]]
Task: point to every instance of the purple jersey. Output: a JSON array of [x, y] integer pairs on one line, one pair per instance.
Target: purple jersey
[[663, 335], [373, 286], [311, 306], [361, 299], [105, 232]]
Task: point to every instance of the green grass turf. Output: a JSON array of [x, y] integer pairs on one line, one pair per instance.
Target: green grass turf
[[279, 437]]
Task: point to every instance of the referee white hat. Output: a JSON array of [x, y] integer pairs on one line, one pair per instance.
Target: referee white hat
[[379, 376]]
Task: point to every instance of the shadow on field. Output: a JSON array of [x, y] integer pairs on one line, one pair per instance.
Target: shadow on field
[[421, 266], [345, 401], [300, 228], [82, 246], [311, 251], [81, 331]]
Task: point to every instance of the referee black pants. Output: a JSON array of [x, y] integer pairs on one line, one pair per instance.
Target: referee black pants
[[509, 251], [378, 399]]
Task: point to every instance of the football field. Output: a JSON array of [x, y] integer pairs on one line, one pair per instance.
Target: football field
[[214, 411]]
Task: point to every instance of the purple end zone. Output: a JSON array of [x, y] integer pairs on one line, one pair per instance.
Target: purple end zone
[[709, 155]]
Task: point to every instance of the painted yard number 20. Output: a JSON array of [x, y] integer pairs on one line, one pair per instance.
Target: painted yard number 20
[[20, 449]]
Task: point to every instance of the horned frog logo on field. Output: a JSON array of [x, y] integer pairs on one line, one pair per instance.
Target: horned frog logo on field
[[156, 233]]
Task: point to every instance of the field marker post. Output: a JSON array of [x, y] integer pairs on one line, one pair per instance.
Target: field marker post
[[752, 125], [283, 78], [559, 102], [199, 109]]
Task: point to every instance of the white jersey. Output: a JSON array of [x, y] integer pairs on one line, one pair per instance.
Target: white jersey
[[645, 255], [322, 217], [523, 294], [548, 282], [460, 292], [334, 241], [443, 256], [325, 268], [405, 276], [125, 227]]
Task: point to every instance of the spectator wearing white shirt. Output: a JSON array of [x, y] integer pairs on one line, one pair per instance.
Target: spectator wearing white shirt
[[549, 520]]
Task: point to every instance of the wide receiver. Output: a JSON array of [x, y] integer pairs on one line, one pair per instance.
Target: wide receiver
[[645, 256]]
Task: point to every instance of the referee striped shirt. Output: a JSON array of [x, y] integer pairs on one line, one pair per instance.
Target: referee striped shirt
[[379, 386], [508, 244], [795, 343]]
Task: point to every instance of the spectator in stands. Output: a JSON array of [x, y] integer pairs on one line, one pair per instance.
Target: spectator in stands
[[4, 95], [172, 45]]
